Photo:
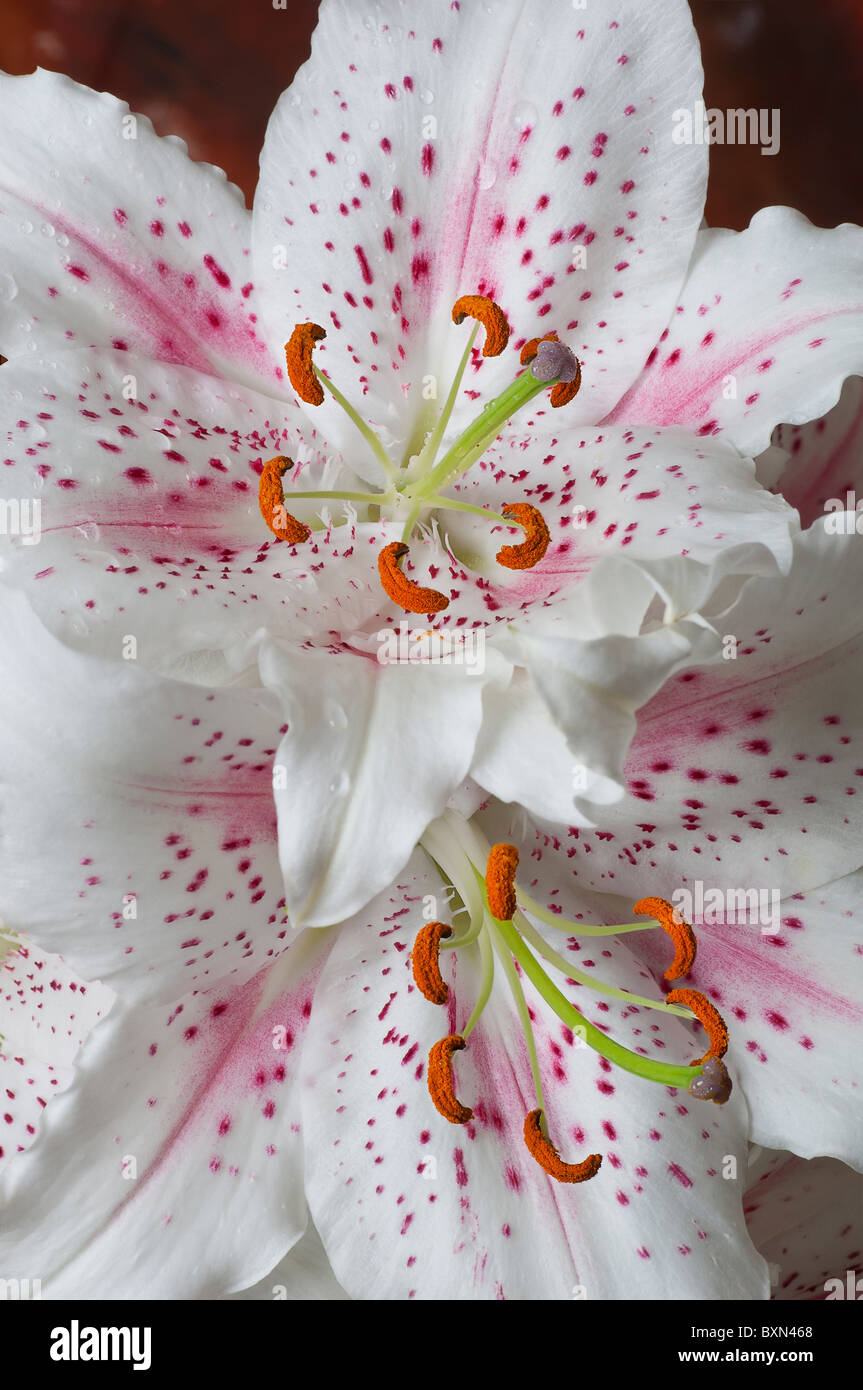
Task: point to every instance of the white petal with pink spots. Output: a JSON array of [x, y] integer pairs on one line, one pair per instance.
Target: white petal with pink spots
[[114, 237], [418, 157], [409, 1205]]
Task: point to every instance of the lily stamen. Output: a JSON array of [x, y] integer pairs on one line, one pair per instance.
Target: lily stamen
[[680, 932], [490, 315], [546, 1155], [500, 881], [403, 591], [425, 965], [441, 1084], [536, 542], [271, 500], [298, 356], [708, 1016]]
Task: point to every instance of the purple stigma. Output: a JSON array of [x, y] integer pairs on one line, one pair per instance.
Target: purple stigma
[[554, 362], [712, 1083]]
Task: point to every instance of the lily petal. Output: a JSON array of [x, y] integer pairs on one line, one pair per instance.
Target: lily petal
[[147, 856], [807, 1220], [767, 327], [744, 770], [364, 771], [416, 158], [824, 458], [113, 236], [147, 488], [198, 1191]]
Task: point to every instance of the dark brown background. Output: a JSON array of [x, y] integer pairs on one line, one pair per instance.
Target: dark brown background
[[211, 71]]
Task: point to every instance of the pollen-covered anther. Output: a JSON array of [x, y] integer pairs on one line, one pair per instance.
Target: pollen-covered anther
[[546, 1155], [490, 315], [712, 1082], [403, 591], [709, 1018], [500, 881], [680, 932], [528, 352], [440, 1080], [536, 541], [425, 964], [298, 355], [271, 500]]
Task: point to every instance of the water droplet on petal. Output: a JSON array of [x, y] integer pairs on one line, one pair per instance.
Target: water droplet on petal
[[524, 113], [486, 174], [335, 715], [340, 785], [8, 287]]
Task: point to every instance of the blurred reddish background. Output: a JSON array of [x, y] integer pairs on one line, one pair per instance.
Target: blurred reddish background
[[211, 71]]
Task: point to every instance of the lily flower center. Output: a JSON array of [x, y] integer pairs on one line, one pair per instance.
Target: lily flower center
[[483, 878], [415, 490]]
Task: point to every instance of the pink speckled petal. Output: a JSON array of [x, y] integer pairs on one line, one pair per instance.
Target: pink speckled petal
[[197, 1095], [409, 1205], [795, 1009], [745, 772], [645, 494], [557, 737], [149, 516], [372, 753], [768, 325], [112, 236], [46, 1012], [825, 459], [417, 157], [806, 1218], [138, 825]]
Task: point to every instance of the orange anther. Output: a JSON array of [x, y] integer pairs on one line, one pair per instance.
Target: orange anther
[[500, 881], [271, 500], [490, 315], [680, 932], [403, 591], [298, 355], [425, 965], [565, 391], [709, 1018], [546, 1155], [440, 1080], [536, 540]]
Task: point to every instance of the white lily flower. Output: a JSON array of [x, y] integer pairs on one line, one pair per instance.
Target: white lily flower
[[150, 410]]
